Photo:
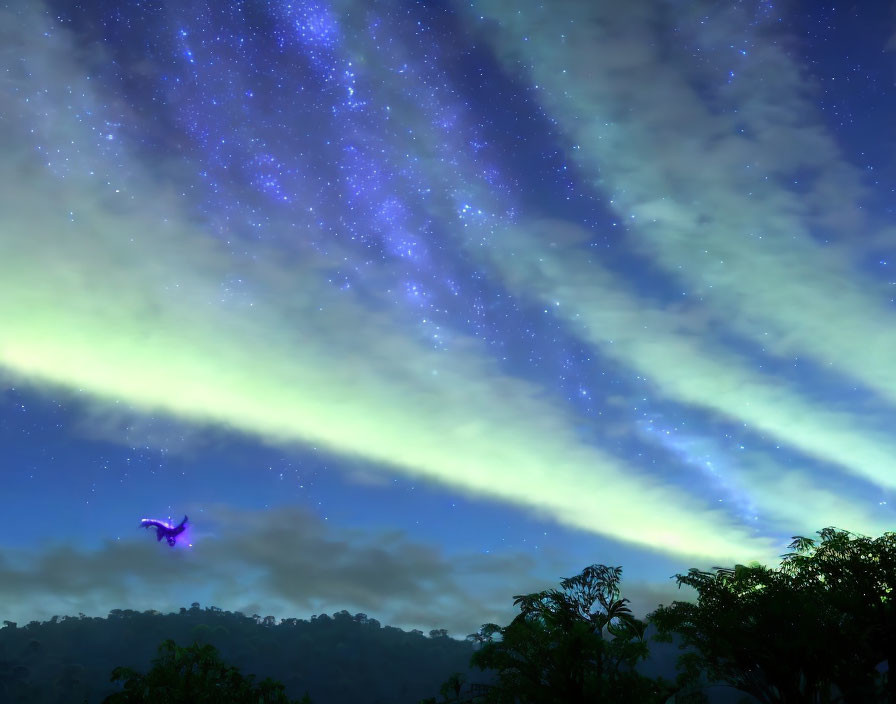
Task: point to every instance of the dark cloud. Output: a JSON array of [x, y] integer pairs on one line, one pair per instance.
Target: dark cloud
[[289, 562], [286, 561]]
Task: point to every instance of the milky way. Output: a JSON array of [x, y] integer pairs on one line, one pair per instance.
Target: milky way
[[614, 268]]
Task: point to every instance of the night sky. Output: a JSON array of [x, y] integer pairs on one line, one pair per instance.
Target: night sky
[[412, 307]]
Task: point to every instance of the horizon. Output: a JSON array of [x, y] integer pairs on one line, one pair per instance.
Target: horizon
[[412, 307]]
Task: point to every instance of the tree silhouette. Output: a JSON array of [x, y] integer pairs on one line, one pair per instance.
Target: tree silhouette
[[856, 575], [574, 645], [751, 629], [342, 661], [810, 631], [196, 675]]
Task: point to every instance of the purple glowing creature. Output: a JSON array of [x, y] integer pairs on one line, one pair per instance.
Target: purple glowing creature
[[165, 530]]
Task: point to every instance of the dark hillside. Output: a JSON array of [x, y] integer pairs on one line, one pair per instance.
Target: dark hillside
[[339, 659]]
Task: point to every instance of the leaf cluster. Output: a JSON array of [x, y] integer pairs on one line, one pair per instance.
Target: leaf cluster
[[579, 643], [812, 630], [197, 675]]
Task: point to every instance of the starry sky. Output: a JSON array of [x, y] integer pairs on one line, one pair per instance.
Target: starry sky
[[414, 306]]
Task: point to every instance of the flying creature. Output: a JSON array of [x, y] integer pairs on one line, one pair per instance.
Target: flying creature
[[165, 530]]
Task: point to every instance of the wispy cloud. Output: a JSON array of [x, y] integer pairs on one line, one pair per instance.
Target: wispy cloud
[[728, 182], [677, 352], [722, 171], [765, 488], [109, 285]]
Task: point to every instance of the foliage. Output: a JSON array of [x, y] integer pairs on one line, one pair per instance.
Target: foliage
[[449, 690], [856, 576], [813, 630], [196, 675], [810, 631], [576, 644], [388, 665]]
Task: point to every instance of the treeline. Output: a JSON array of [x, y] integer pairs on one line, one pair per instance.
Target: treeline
[[820, 628], [338, 659]]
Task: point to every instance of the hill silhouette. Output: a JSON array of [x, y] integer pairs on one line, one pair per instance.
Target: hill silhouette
[[338, 659], [818, 629], [341, 658]]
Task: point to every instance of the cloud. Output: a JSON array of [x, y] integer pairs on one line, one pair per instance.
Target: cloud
[[674, 349], [721, 169], [285, 562], [764, 487], [109, 284]]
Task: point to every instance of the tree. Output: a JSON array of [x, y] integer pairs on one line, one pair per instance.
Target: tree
[[450, 689], [857, 575], [452, 685], [196, 675], [574, 645], [810, 631]]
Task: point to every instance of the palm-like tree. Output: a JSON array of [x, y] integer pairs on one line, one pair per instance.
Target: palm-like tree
[[576, 644]]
